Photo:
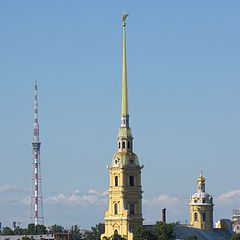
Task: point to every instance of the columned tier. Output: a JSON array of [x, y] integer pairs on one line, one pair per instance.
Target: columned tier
[[125, 121]]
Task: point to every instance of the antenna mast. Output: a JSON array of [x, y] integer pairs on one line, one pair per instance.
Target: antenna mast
[[36, 199]]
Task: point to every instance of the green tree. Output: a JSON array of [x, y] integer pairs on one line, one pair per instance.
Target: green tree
[[117, 237], [88, 235], [56, 229], [7, 231], [24, 231], [18, 231], [164, 231], [31, 230], [235, 237], [95, 232], [76, 232], [40, 229], [144, 234], [98, 230]]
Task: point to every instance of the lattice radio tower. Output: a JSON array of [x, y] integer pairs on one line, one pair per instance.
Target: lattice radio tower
[[36, 198]]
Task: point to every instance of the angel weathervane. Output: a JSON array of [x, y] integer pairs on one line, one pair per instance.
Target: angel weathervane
[[124, 16]]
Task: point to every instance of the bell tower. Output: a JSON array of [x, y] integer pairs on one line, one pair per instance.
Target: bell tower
[[124, 212], [201, 207]]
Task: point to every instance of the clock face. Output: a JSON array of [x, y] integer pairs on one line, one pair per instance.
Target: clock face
[[116, 161]]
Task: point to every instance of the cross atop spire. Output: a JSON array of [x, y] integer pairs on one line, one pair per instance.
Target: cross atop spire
[[201, 171]]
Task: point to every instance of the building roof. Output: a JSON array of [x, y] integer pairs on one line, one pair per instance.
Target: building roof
[[125, 159], [201, 198], [36, 237], [187, 231]]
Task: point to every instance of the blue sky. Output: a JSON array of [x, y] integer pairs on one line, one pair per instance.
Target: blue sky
[[183, 78]]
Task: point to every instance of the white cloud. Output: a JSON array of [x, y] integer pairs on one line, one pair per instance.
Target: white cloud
[[76, 191], [26, 200], [92, 191], [89, 198], [8, 188], [55, 199], [74, 199], [229, 198], [105, 193], [230, 194], [162, 199]]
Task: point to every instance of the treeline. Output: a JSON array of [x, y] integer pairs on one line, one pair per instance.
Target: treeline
[[159, 231], [75, 230], [30, 230]]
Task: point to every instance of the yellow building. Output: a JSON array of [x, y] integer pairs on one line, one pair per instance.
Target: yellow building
[[124, 212], [201, 207]]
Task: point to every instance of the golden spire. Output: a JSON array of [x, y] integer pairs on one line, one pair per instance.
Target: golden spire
[[124, 110]]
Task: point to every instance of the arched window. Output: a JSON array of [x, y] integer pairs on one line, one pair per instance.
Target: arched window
[[115, 208], [128, 144], [119, 145], [195, 217], [131, 181], [116, 232], [132, 210], [123, 145], [116, 181], [204, 216]]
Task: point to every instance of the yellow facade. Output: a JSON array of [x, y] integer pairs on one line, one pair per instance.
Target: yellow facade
[[124, 212], [201, 207]]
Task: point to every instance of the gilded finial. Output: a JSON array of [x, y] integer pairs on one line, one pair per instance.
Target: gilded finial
[[124, 17]]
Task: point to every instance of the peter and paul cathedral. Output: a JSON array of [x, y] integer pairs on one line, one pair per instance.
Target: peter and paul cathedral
[[124, 212]]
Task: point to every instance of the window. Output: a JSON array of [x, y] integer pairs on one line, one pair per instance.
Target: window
[[115, 208], [204, 217], [123, 145], [128, 144], [116, 232], [132, 208], [203, 200], [131, 181], [119, 145], [116, 181], [195, 217]]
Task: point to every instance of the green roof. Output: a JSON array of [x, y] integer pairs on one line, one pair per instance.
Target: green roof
[[125, 132], [125, 158]]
